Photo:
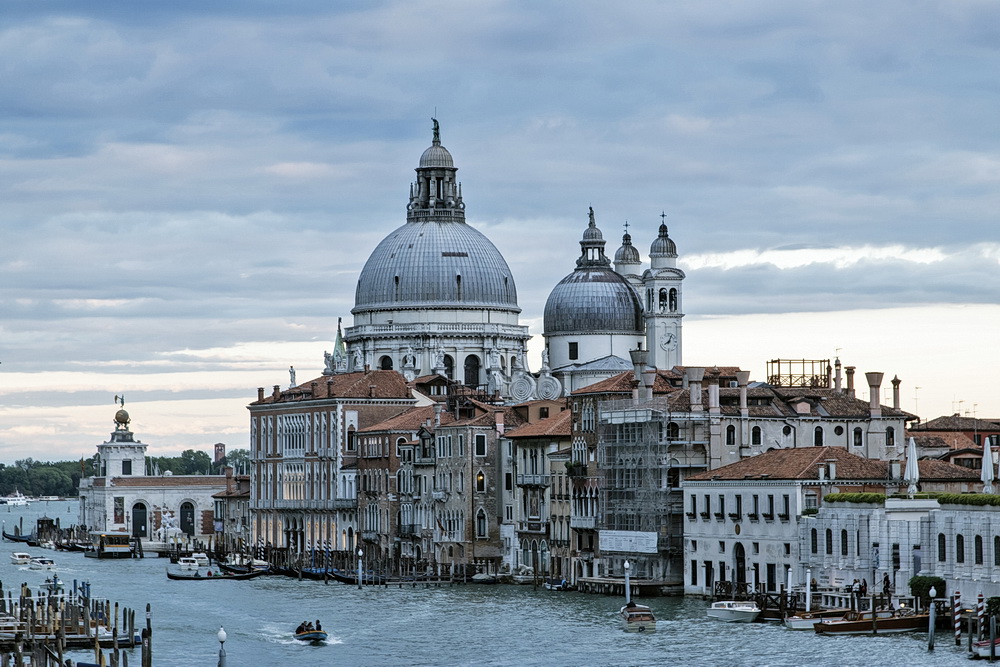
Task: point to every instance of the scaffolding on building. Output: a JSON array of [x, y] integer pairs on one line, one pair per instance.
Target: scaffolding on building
[[644, 449], [816, 373]]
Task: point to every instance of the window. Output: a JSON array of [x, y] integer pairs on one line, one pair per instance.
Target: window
[[694, 504], [829, 542], [818, 436], [858, 442], [731, 435], [942, 548], [482, 526], [722, 547], [480, 482], [959, 548], [843, 542], [756, 547], [811, 500], [755, 436], [739, 504], [722, 504], [756, 504], [788, 548], [890, 437], [543, 413], [838, 430], [480, 444], [126, 467], [786, 503], [673, 431], [996, 551], [574, 350], [694, 573], [979, 549], [787, 430]]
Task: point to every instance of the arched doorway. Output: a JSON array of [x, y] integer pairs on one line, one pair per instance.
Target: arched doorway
[[139, 520], [187, 518], [739, 564]]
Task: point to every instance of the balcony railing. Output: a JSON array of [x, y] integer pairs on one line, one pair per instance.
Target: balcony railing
[[533, 480], [440, 495], [583, 522], [538, 526], [409, 529], [369, 535]]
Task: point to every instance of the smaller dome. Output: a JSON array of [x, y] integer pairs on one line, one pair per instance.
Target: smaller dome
[[628, 253], [437, 156], [663, 246]]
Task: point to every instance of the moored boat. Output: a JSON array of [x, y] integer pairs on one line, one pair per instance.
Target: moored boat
[[187, 563], [737, 611], [556, 584], [16, 499], [885, 621], [982, 648], [109, 544], [637, 618], [806, 620], [202, 558], [16, 537]]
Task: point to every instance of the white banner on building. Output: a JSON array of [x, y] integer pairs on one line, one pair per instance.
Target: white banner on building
[[628, 541]]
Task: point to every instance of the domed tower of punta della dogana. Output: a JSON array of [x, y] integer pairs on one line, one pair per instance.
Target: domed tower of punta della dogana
[[436, 296]]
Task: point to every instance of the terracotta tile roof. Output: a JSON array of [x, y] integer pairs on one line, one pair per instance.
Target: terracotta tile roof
[[933, 469], [409, 420], [556, 426], [373, 384], [800, 463], [622, 384], [957, 423], [511, 419], [199, 481]]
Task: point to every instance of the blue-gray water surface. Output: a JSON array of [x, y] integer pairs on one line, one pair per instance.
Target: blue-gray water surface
[[458, 625]]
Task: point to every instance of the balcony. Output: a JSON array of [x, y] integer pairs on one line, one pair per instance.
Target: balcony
[[783, 517], [576, 470], [344, 504], [537, 526], [692, 515], [734, 516], [768, 516], [533, 480], [439, 495], [719, 516], [583, 522], [753, 516], [409, 529], [369, 535], [705, 516]]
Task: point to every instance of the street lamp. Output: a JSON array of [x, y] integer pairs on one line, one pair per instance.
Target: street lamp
[[931, 622], [360, 554], [628, 591], [222, 647]]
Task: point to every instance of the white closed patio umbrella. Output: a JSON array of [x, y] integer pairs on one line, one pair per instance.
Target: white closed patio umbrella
[[987, 475], [912, 475]]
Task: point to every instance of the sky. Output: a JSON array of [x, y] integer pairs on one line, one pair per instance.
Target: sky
[[189, 190]]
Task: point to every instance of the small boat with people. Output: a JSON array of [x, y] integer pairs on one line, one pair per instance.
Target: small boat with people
[[20, 558], [734, 611], [214, 576], [308, 632], [884, 621], [42, 563], [556, 584]]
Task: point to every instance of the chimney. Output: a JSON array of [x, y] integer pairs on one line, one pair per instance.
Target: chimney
[[329, 388], [437, 414], [228, 470], [874, 387], [260, 393], [371, 387], [276, 392], [312, 387], [894, 469], [829, 377], [895, 392], [498, 418], [742, 379], [713, 400], [639, 358], [850, 380], [821, 469], [831, 465], [836, 378], [648, 380], [695, 376]]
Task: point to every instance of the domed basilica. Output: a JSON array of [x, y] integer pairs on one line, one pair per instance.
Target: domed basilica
[[436, 296]]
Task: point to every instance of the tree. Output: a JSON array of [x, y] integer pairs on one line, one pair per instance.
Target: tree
[[239, 459], [196, 463], [920, 587]]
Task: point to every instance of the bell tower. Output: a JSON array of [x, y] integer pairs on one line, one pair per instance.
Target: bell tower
[[663, 307]]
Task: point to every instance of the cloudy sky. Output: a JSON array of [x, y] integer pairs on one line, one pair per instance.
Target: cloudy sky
[[187, 193]]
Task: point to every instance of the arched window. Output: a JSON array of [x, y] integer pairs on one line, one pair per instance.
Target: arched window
[[959, 548], [979, 549], [449, 366], [472, 370], [818, 436], [480, 482], [843, 542], [890, 437], [663, 299], [755, 435], [673, 431], [385, 363], [731, 435], [996, 551], [829, 542], [673, 300], [814, 541], [482, 526], [858, 441]]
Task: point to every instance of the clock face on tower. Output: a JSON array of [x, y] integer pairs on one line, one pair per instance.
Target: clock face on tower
[[668, 340]]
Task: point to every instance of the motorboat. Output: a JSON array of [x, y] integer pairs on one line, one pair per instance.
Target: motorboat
[[217, 576], [187, 563], [202, 558], [556, 584], [736, 611], [20, 558], [311, 635], [483, 578], [637, 618], [41, 563], [806, 620], [16, 499], [982, 648], [862, 623], [54, 585]]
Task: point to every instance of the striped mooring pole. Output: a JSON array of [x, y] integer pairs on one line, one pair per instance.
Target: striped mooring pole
[[956, 616], [980, 612]]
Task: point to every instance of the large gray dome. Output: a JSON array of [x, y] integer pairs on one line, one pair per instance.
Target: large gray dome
[[593, 300], [434, 263]]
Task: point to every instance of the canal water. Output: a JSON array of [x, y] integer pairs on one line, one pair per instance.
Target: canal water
[[457, 625]]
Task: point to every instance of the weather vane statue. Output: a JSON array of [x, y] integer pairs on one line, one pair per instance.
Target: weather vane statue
[[437, 131], [120, 400]]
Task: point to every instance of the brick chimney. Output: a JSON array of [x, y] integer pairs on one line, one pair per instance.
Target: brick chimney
[[639, 359], [276, 392], [895, 392], [850, 380], [498, 418], [695, 377], [743, 379], [260, 393], [836, 377], [437, 414]]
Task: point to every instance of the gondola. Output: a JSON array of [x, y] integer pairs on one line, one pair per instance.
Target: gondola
[[19, 538], [368, 579], [243, 569], [222, 576]]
